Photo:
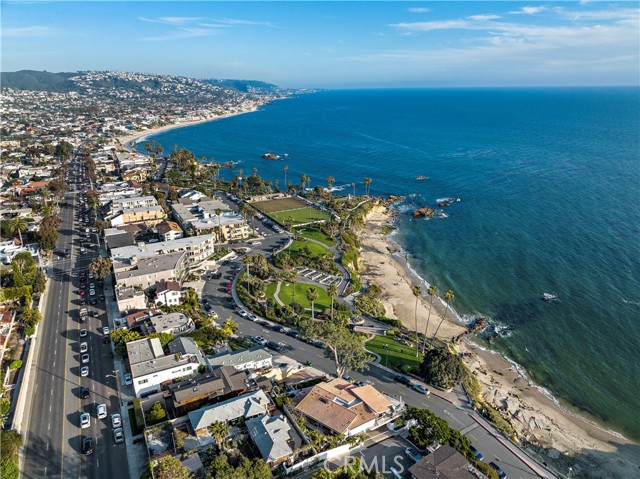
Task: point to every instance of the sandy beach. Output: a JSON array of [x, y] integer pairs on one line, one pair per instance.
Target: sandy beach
[[128, 138], [547, 430]]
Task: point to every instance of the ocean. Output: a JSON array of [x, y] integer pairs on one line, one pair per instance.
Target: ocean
[[549, 188]]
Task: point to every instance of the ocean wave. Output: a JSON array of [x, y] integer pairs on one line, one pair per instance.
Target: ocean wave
[[631, 302], [141, 139]]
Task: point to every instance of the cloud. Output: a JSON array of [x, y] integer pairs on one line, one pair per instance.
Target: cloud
[[483, 18], [31, 31], [435, 25], [182, 33], [170, 20], [529, 10], [236, 21], [418, 10]]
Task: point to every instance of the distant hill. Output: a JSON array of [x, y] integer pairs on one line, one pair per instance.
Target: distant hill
[[39, 81], [246, 86]]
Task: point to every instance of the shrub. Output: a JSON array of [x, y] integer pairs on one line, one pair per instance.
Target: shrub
[[15, 364]]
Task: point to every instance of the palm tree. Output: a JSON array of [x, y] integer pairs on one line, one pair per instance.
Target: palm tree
[[312, 295], [431, 291], [252, 214], [332, 291], [330, 181], [18, 225], [304, 179], [248, 261], [448, 297], [218, 213], [292, 277], [367, 184], [219, 431], [417, 291], [289, 222], [244, 207], [285, 168]]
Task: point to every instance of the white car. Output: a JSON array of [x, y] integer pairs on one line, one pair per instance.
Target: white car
[[84, 371], [118, 435], [105, 331], [128, 379], [92, 292], [116, 421], [85, 420], [84, 347], [83, 333], [85, 359], [260, 340], [101, 411]]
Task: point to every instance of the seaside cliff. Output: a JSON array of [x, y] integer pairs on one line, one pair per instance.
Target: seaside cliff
[[545, 429]]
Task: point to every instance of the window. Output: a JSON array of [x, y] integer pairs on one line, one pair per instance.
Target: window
[[143, 381]]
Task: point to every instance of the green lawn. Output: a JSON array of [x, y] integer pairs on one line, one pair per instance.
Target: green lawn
[[315, 248], [300, 216], [393, 353], [286, 292], [315, 234], [270, 290]]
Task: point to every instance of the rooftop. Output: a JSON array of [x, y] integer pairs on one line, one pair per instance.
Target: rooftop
[[239, 358], [247, 405], [271, 435]]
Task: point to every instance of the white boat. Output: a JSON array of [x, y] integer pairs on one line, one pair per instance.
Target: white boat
[[548, 297]]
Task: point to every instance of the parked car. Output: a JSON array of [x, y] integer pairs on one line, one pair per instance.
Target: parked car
[[402, 380], [420, 388], [275, 346], [477, 453], [84, 371], [87, 446], [260, 340], [83, 333], [501, 473], [278, 328], [413, 454], [105, 330], [84, 393], [84, 347], [128, 379], [118, 435], [85, 420], [101, 411], [116, 421], [84, 358]]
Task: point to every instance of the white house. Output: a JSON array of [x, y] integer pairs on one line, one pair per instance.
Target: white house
[[169, 293], [150, 367], [253, 359]]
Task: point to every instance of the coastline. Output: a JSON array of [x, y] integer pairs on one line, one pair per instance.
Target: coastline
[[553, 434], [127, 139]]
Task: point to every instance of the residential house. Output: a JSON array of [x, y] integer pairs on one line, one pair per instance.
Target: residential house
[[150, 367], [146, 272], [271, 435], [129, 298], [133, 202], [169, 230], [168, 293], [344, 408], [172, 323], [202, 217], [248, 405], [444, 463], [218, 385], [196, 249], [146, 215], [254, 359]]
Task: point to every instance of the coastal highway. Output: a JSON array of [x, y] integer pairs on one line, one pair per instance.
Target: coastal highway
[[53, 437], [487, 441]]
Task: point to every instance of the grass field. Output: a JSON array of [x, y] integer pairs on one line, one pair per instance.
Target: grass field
[[286, 292], [393, 353], [282, 204], [301, 216], [315, 234], [315, 248]]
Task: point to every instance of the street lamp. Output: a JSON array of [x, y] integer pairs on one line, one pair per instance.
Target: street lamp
[[115, 375]]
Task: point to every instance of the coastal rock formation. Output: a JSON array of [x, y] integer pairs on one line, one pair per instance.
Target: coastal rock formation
[[424, 213]]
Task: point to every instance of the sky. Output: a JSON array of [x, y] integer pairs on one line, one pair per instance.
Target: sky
[[330, 44]]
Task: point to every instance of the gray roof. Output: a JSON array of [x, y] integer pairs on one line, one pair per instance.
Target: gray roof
[[450, 465], [238, 358], [271, 435], [144, 350], [167, 322], [120, 240], [151, 249], [184, 346], [247, 406], [145, 266]]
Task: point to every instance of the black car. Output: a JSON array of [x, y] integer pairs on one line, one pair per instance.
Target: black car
[[402, 380], [207, 307], [106, 339], [87, 446], [84, 393], [292, 332], [278, 328], [273, 345], [93, 301], [101, 297]]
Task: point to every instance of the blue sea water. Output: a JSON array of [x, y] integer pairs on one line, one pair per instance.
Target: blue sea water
[[549, 181]]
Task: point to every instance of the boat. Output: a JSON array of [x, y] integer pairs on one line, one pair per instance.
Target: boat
[[421, 177], [548, 297], [270, 156], [442, 202]]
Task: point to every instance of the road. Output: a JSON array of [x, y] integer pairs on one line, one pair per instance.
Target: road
[[486, 441], [53, 438]]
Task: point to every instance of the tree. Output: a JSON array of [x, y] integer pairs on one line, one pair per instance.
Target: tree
[[330, 181], [157, 413], [169, 467], [10, 444], [18, 225], [229, 327], [25, 269], [367, 185], [165, 338], [100, 267], [312, 295], [248, 261], [121, 337], [219, 431], [417, 291], [431, 291], [218, 213], [285, 168], [344, 346], [442, 368], [448, 297], [244, 207], [332, 291]]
